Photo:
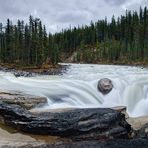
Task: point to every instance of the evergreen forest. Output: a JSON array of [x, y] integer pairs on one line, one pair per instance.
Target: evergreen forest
[[123, 40]]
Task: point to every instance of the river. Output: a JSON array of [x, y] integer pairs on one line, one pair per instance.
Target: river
[[77, 87]]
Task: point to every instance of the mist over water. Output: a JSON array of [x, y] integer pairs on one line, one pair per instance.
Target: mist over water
[[77, 87]]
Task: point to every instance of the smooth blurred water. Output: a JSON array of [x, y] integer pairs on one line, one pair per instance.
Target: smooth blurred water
[[78, 87]]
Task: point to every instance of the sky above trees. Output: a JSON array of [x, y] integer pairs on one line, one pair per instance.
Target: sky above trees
[[58, 14]]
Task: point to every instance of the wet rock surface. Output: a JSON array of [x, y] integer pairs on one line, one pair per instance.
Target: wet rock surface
[[26, 101], [120, 143], [89, 128], [105, 85], [117, 143], [77, 124]]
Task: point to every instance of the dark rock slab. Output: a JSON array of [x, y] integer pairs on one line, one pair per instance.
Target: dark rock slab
[[116, 143], [76, 124]]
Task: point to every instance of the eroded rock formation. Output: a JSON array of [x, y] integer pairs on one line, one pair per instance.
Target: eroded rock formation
[[26, 101], [76, 124]]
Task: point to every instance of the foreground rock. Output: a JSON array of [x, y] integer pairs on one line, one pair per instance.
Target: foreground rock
[[105, 85], [10, 138], [140, 126], [122, 109], [116, 143], [75, 124], [24, 100], [89, 128]]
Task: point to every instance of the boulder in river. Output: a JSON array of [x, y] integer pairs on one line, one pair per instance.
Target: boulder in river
[[105, 85]]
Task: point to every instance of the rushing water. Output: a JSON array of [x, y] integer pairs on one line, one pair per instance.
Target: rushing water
[[78, 87]]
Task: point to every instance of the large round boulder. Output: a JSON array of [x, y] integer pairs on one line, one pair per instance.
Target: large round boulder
[[105, 85]]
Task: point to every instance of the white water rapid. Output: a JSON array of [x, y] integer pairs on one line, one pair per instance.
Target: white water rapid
[[77, 88]]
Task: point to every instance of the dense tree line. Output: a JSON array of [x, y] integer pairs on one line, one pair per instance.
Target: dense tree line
[[26, 44], [122, 40]]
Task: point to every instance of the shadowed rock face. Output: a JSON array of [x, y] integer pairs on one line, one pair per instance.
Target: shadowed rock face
[[116, 143], [105, 85], [75, 124]]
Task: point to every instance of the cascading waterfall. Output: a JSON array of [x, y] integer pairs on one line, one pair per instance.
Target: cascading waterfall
[[77, 87]]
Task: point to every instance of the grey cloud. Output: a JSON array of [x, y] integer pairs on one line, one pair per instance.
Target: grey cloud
[[134, 4], [116, 2], [73, 17], [58, 14], [145, 2]]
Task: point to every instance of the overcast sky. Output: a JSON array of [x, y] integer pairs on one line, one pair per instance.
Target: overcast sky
[[58, 14]]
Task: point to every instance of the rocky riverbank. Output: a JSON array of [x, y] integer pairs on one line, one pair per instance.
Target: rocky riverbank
[[33, 71]]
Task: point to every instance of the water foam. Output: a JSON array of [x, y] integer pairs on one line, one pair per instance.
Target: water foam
[[78, 87]]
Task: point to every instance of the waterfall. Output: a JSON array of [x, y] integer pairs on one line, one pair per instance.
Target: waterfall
[[77, 87]]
